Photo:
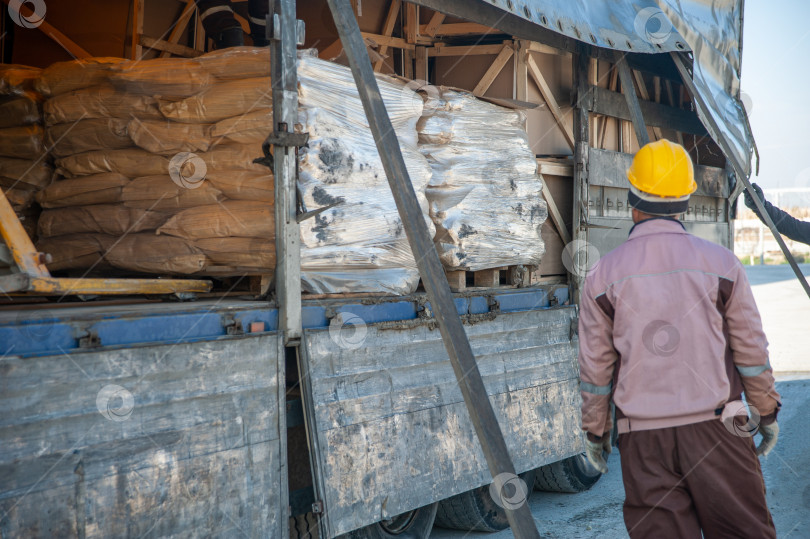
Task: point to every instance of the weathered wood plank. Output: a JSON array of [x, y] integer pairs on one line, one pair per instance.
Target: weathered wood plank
[[493, 71], [551, 102]]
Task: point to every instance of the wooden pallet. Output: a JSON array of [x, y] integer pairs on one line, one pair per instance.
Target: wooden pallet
[[504, 276]]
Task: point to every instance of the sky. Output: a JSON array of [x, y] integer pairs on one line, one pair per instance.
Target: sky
[[776, 78]]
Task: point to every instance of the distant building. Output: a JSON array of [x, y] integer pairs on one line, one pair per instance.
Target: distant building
[[753, 240]]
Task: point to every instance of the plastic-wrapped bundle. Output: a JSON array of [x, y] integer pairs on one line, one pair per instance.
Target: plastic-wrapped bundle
[[485, 196], [360, 244]]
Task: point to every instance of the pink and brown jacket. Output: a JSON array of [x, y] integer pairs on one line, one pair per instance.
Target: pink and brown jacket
[[670, 331]]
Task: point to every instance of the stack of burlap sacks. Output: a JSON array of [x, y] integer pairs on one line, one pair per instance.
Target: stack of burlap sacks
[[485, 196], [24, 164], [156, 165]]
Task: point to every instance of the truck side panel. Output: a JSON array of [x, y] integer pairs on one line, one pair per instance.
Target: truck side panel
[[170, 440], [391, 429]]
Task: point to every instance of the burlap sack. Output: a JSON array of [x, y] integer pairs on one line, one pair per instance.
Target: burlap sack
[[96, 189], [143, 252], [17, 79], [99, 102], [135, 162], [80, 251], [26, 142], [250, 128], [20, 199], [220, 101], [230, 218], [114, 219], [170, 78], [257, 253], [63, 77], [20, 110], [169, 138], [237, 63], [87, 135], [243, 185], [162, 193], [33, 173]]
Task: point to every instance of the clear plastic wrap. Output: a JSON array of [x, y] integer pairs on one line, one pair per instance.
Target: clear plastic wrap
[[360, 244], [20, 110], [63, 77], [220, 101], [485, 195], [88, 135]]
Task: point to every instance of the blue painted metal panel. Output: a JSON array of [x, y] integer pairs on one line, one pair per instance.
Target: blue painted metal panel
[[55, 332]]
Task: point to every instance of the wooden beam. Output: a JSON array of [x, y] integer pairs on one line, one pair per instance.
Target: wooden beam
[[173, 48], [545, 49], [632, 100], [612, 84], [671, 100], [494, 69], [199, 34], [457, 29], [467, 50], [387, 41], [411, 23], [579, 216], [137, 28], [614, 104], [435, 21], [521, 70], [554, 213], [180, 25], [52, 32], [553, 107], [420, 70], [388, 29]]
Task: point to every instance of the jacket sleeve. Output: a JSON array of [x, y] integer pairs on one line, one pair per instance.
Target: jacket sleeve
[[787, 225], [748, 343], [597, 359]]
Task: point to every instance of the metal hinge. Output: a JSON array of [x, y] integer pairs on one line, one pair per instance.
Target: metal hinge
[[232, 326], [317, 507], [90, 340]]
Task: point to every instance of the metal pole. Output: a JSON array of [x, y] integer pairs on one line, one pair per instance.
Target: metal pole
[[686, 76], [285, 161], [430, 268]]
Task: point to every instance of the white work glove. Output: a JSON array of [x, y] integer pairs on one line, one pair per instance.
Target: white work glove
[[594, 451], [770, 433]]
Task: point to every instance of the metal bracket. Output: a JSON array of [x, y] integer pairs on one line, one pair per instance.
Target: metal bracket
[[273, 28], [284, 138], [90, 340], [232, 326], [317, 507]]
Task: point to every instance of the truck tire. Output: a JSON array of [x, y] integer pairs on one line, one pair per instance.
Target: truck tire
[[414, 524], [304, 527], [574, 474], [475, 510]]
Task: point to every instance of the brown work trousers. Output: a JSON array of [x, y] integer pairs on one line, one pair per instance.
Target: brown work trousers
[[679, 481]]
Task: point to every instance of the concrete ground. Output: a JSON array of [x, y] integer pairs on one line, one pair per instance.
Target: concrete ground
[[785, 310]]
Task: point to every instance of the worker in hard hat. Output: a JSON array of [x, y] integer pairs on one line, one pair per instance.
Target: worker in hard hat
[[221, 26], [669, 331], [786, 224]]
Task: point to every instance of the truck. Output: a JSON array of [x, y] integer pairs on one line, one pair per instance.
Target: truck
[[332, 414]]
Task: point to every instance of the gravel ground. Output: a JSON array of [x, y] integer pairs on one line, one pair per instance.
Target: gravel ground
[[786, 317]]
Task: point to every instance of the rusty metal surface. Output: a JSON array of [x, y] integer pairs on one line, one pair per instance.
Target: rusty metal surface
[[389, 425]]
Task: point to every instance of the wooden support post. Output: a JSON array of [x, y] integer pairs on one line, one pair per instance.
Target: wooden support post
[[671, 99], [199, 34], [137, 29], [581, 151], [420, 70], [593, 80], [388, 29], [454, 336], [614, 79], [644, 94], [632, 100], [553, 107], [411, 22], [521, 92], [493, 71], [457, 280], [180, 25]]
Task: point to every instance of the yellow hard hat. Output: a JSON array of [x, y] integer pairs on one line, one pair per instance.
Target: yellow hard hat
[[663, 169]]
